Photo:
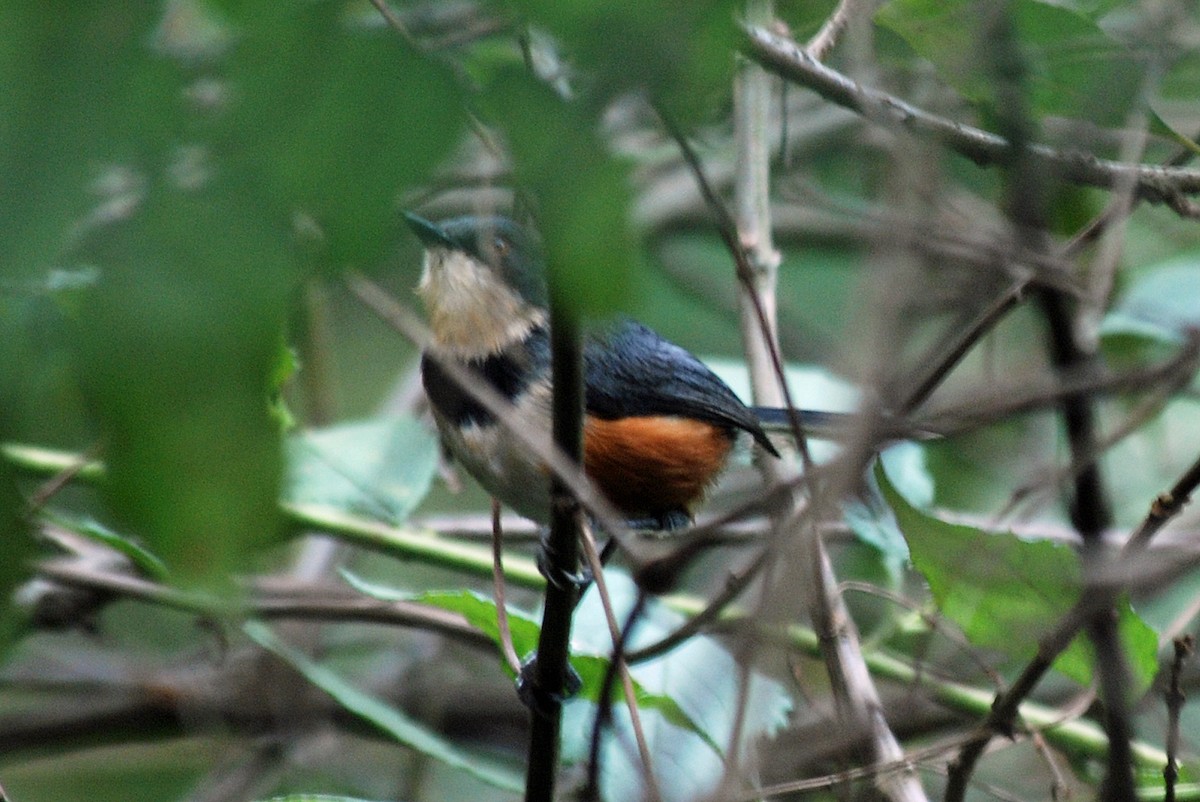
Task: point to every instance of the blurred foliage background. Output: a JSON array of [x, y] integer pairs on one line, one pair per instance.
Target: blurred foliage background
[[185, 185]]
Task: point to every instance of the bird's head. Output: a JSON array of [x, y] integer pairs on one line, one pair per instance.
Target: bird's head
[[483, 283]]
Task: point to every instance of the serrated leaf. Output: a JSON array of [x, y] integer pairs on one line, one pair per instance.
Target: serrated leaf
[[592, 670], [1004, 592], [700, 678], [480, 612], [382, 715], [380, 467]]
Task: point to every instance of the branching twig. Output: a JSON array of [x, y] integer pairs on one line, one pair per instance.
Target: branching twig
[[298, 601], [1025, 179], [835, 24], [734, 585], [727, 229], [1175, 700], [618, 667], [302, 602], [1165, 507], [1153, 183], [1059, 789], [1004, 400]]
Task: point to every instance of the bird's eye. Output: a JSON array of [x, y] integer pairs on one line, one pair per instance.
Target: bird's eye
[[502, 246]]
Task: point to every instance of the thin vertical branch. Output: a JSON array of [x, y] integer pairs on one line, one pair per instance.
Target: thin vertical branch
[[502, 627], [1088, 506], [752, 213], [618, 667], [1175, 700], [562, 559], [858, 699]]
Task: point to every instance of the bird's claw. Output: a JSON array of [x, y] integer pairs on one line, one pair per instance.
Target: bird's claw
[[557, 577]]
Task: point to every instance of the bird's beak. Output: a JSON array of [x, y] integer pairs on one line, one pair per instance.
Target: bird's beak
[[430, 234]]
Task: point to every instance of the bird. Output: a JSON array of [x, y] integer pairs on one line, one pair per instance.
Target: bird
[[659, 424]]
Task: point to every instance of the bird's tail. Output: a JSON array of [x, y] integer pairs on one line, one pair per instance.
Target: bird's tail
[[828, 425], [822, 425]]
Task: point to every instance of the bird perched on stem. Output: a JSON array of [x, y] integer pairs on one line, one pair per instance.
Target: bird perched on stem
[[659, 425]]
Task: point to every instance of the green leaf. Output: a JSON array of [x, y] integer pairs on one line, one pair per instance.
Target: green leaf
[[592, 669], [1004, 592], [336, 117], [582, 192], [63, 114], [381, 467], [382, 715], [1074, 69], [146, 562], [480, 612], [680, 53], [697, 684], [1166, 295], [176, 346], [19, 549], [1149, 320]]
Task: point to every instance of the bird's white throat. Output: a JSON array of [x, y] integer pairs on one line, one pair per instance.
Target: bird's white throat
[[472, 312]]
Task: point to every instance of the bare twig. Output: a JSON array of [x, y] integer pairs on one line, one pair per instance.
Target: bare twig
[[1153, 183], [301, 601], [506, 641], [1165, 507], [1175, 699], [49, 489], [1026, 174], [734, 585], [963, 342], [728, 231], [618, 667], [561, 553], [395, 23], [933, 621], [1059, 790], [835, 24]]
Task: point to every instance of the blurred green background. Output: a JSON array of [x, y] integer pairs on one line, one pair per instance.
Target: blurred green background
[[185, 183]]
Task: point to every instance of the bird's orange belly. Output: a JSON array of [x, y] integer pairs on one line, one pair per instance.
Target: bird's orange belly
[[648, 465]]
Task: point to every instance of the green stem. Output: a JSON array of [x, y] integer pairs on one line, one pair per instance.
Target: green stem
[[1077, 736]]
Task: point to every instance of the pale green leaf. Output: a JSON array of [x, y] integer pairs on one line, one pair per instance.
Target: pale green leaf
[[382, 715]]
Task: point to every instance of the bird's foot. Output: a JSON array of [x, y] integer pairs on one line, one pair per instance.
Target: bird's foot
[[557, 577]]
